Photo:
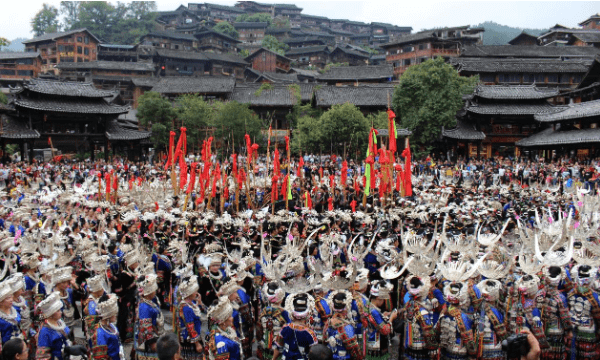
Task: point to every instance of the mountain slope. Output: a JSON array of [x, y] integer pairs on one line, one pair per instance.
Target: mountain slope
[[496, 34], [15, 45]]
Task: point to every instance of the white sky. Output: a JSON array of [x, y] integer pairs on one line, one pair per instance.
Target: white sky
[[15, 16]]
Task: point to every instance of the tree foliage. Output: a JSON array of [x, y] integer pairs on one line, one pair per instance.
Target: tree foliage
[[45, 20], [427, 97], [341, 127], [258, 17], [270, 42], [3, 99], [195, 114], [69, 10], [232, 118], [280, 22], [157, 113], [4, 42], [226, 28]]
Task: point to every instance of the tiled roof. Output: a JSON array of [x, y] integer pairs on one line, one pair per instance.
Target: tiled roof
[[300, 40], [550, 137], [314, 17], [527, 51], [13, 128], [117, 46], [353, 73], [225, 8], [249, 57], [319, 34], [58, 35], [463, 131], [144, 81], [251, 94], [480, 65], [277, 30], [197, 85], [358, 95], [9, 55], [116, 131], [514, 92], [307, 50], [206, 31], [510, 109], [571, 111], [350, 51], [399, 132], [171, 35], [64, 88], [107, 65], [408, 39], [277, 77], [523, 35], [392, 27], [593, 17], [590, 37], [308, 73], [228, 58], [186, 55], [69, 105]]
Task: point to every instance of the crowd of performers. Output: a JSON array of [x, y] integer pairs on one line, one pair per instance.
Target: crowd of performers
[[449, 271]]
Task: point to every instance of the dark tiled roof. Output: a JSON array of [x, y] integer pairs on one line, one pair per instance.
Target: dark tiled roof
[[590, 38], [249, 57], [510, 109], [186, 55], [514, 92], [550, 137], [117, 46], [303, 39], [107, 65], [320, 34], [308, 73], [277, 96], [172, 35], [591, 18], [64, 88], [58, 35], [225, 8], [463, 131], [277, 77], [13, 128], [350, 51], [359, 23], [228, 58], [481, 65], [526, 51], [307, 50], [197, 85], [250, 25], [523, 35], [392, 27], [80, 106], [277, 30], [572, 111], [116, 131], [408, 39], [314, 17], [9, 55], [353, 73], [358, 95], [399, 132], [144, 81], [206, 31]]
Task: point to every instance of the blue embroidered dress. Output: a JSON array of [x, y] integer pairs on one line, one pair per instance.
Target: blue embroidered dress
[[52, 341], [294, 341]]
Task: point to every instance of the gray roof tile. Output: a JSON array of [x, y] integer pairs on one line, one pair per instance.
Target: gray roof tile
[[572, 111], [527, 51], [354, 73], [9, 55], [550, 137], [491, 65], [70, 105], [514, 92], [116, 131], [107, 65], [358, 95], [510, 109], [58, 35], [463, 131], [197, 85], [14, 128], [65, 88]]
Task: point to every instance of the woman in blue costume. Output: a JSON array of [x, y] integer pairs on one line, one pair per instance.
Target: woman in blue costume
[[295, 339], [10, 319], [379, 326], [223, 342], [242, 313], [53, 336], [339, 332], [90, 312], [106, 342], [189, 324], [63, 280], [150, 324]]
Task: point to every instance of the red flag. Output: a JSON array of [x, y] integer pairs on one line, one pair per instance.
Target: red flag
[[330, 204], [49, 141], [182, 173], [181, 149], [276, 165], [392, 130], [321, 173], [131, 183], [332, 182], [344, 176], [300, 167], [353, 205], [287, 143], [115, 183], [407, 171], [107, 180], [284, 187], [274, 192], [235, 169], [399, 176], [248, 148]]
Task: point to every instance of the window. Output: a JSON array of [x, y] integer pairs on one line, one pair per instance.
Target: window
[[528, 78], [422, 47], [552, 78], [79, 50], [79, 39], [565, 78], [61, 48], [540, 78], [487, 78], [6, 72], [576, 78], [406, 62], [86, 40], [86, 51], [25, 61]]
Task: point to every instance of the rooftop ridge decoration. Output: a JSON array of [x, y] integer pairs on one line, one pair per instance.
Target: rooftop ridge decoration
[[64, 88]]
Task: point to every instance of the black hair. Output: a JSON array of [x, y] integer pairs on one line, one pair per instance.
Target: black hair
[[320, 352], [167, 346], [12, 348]]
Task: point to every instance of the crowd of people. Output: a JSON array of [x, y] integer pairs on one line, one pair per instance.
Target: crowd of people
[[311, 257]]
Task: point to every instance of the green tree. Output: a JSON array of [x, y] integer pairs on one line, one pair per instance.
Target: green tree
[[234, 118], [70, 13], [226, 28], [378, 120], [4, 42], [270, 42], [307, 135], [258, 17], [343, 127], [3, 99], [195, 114], [45, 20], [280, 22], [157, 113], [427, 97], [98, 17]]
